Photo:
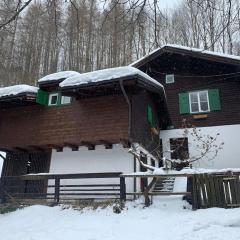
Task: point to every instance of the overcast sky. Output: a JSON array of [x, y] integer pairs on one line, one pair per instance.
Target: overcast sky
[[168, 3]]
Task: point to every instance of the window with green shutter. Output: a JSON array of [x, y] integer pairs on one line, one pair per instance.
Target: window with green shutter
[[199, 101], [52, 99]]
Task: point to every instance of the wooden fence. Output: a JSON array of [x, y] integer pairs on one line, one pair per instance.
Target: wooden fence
[[56, 188], [203, 190], [216, 190], [220, 189]]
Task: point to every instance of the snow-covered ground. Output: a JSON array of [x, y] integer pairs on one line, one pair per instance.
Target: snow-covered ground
[[166, 220]]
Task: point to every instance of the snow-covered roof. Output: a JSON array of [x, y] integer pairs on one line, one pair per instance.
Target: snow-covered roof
[[107, 75], [58, 76], [198, 50], [17, 89]]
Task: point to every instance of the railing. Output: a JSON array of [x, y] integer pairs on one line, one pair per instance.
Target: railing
[[219, 189], [63, 187], [148, 189]]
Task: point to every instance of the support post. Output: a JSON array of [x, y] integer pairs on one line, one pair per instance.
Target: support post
[[122, 189], [2, 194], [57, 190], [195, 205]]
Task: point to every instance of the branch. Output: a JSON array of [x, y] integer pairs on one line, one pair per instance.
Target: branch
[[16, 14]]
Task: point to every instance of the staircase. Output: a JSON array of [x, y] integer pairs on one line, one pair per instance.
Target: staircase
[[165, 185]]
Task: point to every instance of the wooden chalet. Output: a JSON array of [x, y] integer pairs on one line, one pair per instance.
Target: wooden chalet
[[203, 88]]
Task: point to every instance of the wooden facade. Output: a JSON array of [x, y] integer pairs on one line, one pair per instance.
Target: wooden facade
[[96, 116], [195, 71]]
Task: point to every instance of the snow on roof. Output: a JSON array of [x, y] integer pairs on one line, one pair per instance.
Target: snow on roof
[[58, 76], [202, 51], [17, 89], [106, 75]]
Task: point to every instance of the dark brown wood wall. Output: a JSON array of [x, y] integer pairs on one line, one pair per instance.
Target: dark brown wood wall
[[141, 129], [88, 120], [187, 70]]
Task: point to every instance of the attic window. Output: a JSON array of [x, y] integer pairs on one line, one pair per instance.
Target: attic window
[[53, 99], [169, 78]]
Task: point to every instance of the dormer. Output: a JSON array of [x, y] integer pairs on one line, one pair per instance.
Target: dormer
[[49, 94]]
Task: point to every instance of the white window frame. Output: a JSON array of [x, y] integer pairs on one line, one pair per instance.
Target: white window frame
[[50, 99], [199, 103], [169, 76], [65, 103]]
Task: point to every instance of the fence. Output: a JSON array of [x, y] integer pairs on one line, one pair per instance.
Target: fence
[[203, 190], [56, 188], [216, 190]]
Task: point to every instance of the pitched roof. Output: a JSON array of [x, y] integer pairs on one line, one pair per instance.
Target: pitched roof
[[58, 76], [217, 56], [17, 90], [108, 75]]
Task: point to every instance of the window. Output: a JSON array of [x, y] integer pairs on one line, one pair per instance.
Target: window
[[179, 148], [199, 102], [169, 78], [65, 100], [53, 99]]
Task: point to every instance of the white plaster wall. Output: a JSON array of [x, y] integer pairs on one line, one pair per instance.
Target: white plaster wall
[[228, 157], [116, 159]]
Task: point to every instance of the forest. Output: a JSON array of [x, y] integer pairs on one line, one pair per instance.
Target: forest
[[38, 37]]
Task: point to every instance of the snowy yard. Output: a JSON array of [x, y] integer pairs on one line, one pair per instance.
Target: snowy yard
[[166, 219]]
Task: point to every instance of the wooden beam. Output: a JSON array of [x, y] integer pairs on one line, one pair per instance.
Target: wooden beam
[[89, 145], [107, 144], [74, 147], [57, 147]]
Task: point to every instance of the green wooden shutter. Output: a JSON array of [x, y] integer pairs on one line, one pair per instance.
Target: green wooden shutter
[[42, 97], [150, 116], [184, 103], [214, 100]]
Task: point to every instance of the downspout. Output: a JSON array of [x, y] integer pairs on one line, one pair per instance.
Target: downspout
[[129, 108]]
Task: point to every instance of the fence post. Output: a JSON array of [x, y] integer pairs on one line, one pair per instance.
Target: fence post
[[122, 189], [2, 194], [195, 205], [57, 190]]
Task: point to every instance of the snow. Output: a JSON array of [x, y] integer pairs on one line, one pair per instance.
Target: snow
[[218, 54], [17, 89], [165, 219], [106, 75], [161, 171], [58, 76]]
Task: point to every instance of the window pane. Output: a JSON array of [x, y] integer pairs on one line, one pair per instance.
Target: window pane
[[54, 100], [194, 107], [203, 96], [204, 106], [65, 100], [194, 97]]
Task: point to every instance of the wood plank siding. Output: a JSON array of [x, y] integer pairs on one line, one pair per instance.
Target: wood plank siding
[[86, 120], [189, 72]]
